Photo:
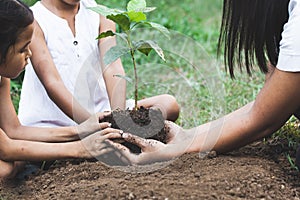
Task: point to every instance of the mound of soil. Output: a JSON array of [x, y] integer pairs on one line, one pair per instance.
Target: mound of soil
[[144, 122], [257, 171]]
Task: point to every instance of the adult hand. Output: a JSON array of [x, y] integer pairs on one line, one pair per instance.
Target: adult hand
[[155, 151], [92, 125]]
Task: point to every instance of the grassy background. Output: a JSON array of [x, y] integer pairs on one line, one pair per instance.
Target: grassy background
[[192, 73], [199, 21]]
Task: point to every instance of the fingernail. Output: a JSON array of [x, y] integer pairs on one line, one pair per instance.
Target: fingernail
[[125, 135], [121, 132], [109, 124]]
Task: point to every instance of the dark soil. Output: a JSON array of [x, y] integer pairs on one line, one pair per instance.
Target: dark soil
[[257, 171], [144, 122]]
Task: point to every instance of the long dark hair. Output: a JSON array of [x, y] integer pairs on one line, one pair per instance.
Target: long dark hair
[[251, 32], [15, 16]]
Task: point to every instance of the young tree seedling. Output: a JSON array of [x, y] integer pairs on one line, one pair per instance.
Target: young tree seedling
[[128, 21]]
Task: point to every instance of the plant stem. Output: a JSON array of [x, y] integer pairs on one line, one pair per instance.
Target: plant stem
[[134, 69], [132, 51], [135, 80]]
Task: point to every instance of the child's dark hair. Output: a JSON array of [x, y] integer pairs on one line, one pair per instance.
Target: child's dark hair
[[14, 17], [251, 32]]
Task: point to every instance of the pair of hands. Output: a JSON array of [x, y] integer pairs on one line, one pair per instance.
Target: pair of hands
[[100, 144], [178, 141]]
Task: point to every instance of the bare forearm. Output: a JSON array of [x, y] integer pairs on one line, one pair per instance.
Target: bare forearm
[[221, 136], [230, 132], [116, 86], [35, 151], [61, 134], [66, 102], [273, 106], [20, 150]]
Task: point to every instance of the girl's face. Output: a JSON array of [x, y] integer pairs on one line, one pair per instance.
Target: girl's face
[[17, 55]]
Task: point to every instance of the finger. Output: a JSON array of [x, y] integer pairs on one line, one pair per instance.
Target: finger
[[171, 130], [111, 130], [104, 125], [140, 142], [168, 125], [168, 128], [102, 115], [114, 135]]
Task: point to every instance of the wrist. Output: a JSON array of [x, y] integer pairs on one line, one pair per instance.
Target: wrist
[[71, 133], [81, 151], [80, 131], [191, 140], [184, 143]]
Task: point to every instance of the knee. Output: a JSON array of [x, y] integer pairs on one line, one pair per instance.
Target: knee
[[173, 107], [7, 170]]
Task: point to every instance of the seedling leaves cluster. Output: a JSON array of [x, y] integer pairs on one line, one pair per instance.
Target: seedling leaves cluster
[[128, 21]]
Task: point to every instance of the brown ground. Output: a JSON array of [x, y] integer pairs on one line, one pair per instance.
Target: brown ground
[[258, 171]]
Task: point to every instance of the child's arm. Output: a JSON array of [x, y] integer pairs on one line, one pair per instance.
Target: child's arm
[[9, 122], [93, 146], [22, 150], [116, 87], [51, 80]]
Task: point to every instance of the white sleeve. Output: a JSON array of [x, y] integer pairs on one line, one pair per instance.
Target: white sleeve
[[289, 54]]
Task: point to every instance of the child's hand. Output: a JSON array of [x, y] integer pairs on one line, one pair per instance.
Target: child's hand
[[92, 125], [98, 145]]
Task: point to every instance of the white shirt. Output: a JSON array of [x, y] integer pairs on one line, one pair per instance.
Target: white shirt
[[77, 60], [289, 54]]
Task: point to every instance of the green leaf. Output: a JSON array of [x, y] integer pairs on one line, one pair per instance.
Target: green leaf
[[146, 10], [103, 10], [160, 28], [143, 47], [110, 33], [121, 19], [136, 16], [124, 77], [105, 34], [136, 4], [146, 46], [114, 53]]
